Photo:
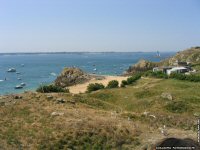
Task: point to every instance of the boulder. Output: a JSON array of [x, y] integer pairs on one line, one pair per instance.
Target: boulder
[[71, 76], [60, 100], [166, 95], [141, 66]]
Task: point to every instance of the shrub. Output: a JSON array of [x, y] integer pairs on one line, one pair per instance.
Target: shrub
[[124, 82], [177, 107], [133, 78], [94, 87], [157, 74], [51, 88], [113, 84], [179, 76]]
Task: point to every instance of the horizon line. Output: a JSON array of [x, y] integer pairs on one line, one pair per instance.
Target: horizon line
[[62, 52]]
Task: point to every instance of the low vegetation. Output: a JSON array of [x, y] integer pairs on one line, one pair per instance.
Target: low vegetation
[[133, 78], [192, 77], [113, 84], [158, 74], [51, 88], [94, 87]]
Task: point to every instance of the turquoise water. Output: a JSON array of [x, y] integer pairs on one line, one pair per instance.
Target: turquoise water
[[41, 68]]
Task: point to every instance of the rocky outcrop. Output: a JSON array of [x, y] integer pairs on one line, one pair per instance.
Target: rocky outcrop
[[141, 66], [166, 95], [191, 55], [71, 76], [188, 56]]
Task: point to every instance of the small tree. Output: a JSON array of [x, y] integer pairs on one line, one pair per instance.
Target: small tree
[[113, 84]]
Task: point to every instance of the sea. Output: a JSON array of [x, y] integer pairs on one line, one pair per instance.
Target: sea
[[37, 69]]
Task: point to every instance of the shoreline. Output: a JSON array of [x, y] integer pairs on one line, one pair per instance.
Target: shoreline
[[82, 88]]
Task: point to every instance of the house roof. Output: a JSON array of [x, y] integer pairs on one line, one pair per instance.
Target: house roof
[[177, 68]]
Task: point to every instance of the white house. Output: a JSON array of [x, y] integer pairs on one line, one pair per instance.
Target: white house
[[177, 70]]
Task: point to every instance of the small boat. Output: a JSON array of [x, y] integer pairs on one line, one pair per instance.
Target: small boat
[[22, 65], [1, 80], [18, 87], [19, 79], [18, 72], [95, 69], [11, 70], [23, 84]]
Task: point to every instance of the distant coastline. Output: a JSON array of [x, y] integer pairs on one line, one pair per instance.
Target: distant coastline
[[108, 52]]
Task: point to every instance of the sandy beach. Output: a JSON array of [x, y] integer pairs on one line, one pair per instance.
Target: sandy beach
[[81, 88]]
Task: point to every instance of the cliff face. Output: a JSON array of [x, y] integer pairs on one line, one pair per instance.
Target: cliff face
[[71, 76]]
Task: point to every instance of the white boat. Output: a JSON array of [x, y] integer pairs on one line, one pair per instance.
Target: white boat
[[11, 70], [95, 69], [23, 84], [18, 87], [19, 79]]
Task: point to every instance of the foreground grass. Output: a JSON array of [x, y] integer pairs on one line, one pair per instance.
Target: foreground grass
[[122, 118]]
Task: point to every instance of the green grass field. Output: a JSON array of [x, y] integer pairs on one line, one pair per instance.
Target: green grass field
[[120, 118]]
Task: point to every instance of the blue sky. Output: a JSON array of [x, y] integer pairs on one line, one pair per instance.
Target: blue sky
[[98, 25]]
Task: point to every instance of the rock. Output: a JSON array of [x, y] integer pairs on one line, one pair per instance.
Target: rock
[[145, 113], [72, 102], [49, 97], [71, 76], [153, 116], [166, 95], [60, 100], [17, 97], [141, 66], [57, 113], [197, 114]]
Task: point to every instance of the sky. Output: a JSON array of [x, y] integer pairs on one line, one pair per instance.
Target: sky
[[98, 25]]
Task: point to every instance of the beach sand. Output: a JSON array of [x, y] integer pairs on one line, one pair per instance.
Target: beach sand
[[81, 88]]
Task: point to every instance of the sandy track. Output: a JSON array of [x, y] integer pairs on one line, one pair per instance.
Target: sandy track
[[81, 88]]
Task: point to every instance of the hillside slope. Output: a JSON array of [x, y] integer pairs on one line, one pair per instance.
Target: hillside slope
[[124, 118]]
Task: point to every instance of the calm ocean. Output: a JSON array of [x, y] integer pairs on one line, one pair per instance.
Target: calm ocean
[[42, 68]]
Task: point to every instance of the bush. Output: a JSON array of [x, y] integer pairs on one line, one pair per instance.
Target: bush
[[94, 87], [51, 88], [133, 78], [124, 82], [179, 76], [157, 74], [113, 84]]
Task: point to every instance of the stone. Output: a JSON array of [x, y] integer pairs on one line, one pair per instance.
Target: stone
[[197, 114], [60, 100], [166, 95], [17, 97], [72, 102], [57, 113], [49, 97]]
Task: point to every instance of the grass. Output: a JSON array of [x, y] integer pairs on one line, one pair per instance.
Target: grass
[[105, 119]]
